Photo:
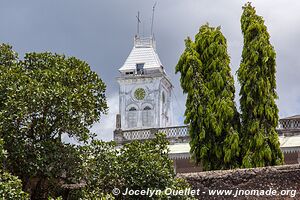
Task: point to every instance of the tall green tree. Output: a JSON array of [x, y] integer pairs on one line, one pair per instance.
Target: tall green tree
[[210, 109], [42, 98], [260, 144]]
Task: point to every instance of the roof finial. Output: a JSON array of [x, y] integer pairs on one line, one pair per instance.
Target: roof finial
[[153, 9], [138, 23]]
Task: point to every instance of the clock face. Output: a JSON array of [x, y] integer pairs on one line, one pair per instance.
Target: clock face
[[139, 94]]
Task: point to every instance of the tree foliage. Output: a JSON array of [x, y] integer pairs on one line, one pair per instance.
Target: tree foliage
[[210, 108], [10, 186], [137, 166], [258, 84], [43, 97], [8, 57]]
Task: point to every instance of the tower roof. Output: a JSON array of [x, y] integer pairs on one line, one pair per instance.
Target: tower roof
[[144, 51]]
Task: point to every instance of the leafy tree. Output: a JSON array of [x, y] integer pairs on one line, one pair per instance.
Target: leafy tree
[[7, 56], [3, 154], [258, 84], [210, 109], [10, 186], [44, 97], [137, 166]]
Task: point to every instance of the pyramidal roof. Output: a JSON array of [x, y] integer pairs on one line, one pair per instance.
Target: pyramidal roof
[[144, 51]]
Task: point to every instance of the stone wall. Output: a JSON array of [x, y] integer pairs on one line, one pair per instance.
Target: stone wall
[[259, 180], [185, 166]]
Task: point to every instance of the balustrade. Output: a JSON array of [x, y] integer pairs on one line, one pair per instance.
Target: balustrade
[[289, 124], [177, 134]]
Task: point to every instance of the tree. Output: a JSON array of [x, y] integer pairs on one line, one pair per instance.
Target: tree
[[210, 109], [137, 166], [260, 143], [42, 98], [10, 186], [7, 56]]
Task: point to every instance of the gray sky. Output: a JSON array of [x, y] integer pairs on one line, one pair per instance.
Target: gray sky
[[101, 33]]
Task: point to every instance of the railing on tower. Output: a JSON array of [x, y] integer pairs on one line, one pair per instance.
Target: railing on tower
[[289, 126], [179, 134], [175, 134], [144, 42]]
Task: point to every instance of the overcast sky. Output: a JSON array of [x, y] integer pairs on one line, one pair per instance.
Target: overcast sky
[[101, 33]]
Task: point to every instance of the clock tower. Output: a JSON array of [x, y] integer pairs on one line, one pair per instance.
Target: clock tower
[[144, 88]]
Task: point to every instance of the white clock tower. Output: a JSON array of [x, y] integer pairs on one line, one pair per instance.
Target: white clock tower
[[145, 89]]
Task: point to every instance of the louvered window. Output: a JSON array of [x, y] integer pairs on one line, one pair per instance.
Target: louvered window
[[132, 117], [147, 117]]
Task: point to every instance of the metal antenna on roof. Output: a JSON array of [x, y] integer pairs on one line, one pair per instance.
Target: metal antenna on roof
[[138, 23], [143, 29], [152, 20]]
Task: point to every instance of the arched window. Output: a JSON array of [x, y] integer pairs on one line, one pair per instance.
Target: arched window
[[147, 108], [132, 109], [132, 117], [147, 116]]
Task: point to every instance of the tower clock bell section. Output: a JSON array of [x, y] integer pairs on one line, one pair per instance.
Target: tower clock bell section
[[144, 89]]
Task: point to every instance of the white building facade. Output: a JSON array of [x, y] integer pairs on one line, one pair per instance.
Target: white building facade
[[145, 91]]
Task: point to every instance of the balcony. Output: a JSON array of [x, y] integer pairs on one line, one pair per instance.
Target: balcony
[[289, 126], [175, 134], [144, 42], [179, 134]]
